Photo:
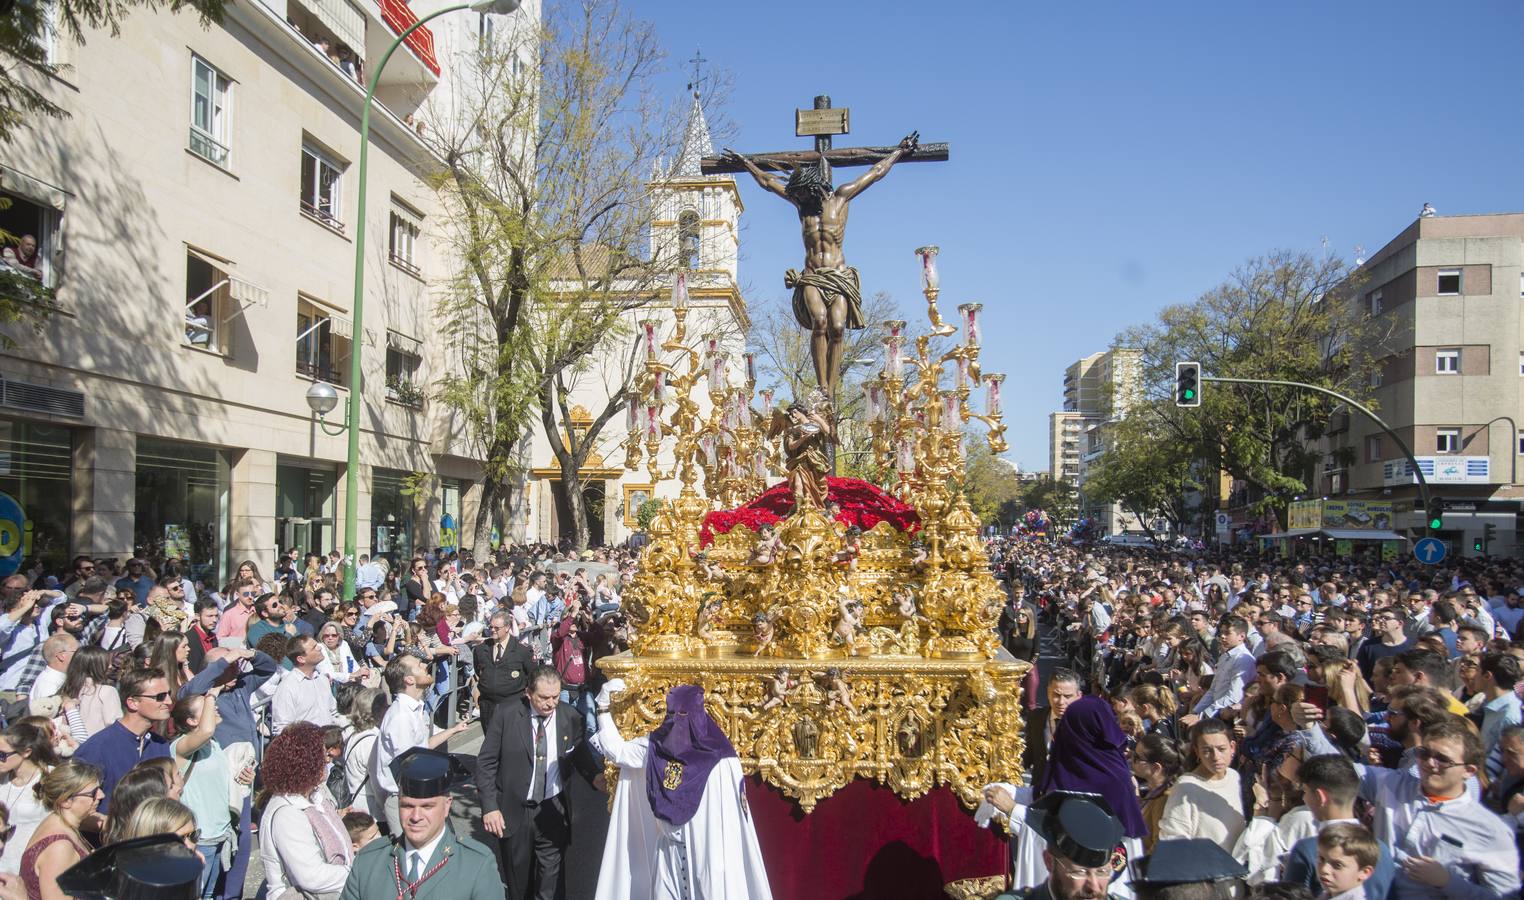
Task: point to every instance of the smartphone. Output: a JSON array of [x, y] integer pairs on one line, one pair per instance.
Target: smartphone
[[1317, 695]]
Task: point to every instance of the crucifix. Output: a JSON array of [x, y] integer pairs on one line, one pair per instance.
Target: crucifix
[[827, 292]]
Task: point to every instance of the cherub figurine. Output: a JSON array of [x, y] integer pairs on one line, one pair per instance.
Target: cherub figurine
[[848, 620], [767, 546], [762, 631], [778, 688], [711, 570], [851, 549], [833, 515], [708, 614], [837, 690], [918, 555], [905, 599]]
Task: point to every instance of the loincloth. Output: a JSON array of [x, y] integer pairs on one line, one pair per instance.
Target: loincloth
[[838, 282]]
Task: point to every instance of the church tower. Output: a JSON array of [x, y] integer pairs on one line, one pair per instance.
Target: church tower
[[696, 220]]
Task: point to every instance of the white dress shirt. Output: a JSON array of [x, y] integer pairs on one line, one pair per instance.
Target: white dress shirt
[[422, 855], [1235, 670], [552, 758], [405, 726], [302, 698]]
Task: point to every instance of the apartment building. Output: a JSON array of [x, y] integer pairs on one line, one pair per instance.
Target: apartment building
[[1450, 288], [196, 214], [1098, 390]]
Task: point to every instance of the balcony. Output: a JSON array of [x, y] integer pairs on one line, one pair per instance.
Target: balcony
[[352, 35]]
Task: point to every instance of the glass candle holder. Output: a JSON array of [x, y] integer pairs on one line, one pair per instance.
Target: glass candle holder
[[992, 385], [950, 410], [894, 363], [680, 291], [971, 330], [767, 403], [963, 371], [716, 373], [904, 456], [751, 366], [930, 280], [648, 328]]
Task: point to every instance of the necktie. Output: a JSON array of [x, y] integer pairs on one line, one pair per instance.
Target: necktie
[[537, 793], [497, 652], [413, 867]]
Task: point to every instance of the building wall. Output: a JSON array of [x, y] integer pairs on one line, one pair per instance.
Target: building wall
[[139, 201]]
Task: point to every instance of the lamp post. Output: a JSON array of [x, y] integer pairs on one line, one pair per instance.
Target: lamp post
[[352, 418]]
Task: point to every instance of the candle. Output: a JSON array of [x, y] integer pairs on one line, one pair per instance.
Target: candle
[[875, 397], [653, 423], [751, 367], [716, 373], [706, 444], [680, 291], [711, 343], [904, 458], [970, 313], [894, 328], [950, 410], [992, 394], [767, 403], [893, 363], [660, 391], [759, 465], [930, 280], [632, 419], [962, 372], [649, 326]]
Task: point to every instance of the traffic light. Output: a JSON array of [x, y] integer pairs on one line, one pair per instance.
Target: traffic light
[[1489, 534], [1436, 511], [1477, 546], [1187, 384]]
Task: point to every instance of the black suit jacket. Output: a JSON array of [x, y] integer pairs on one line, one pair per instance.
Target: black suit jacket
[[505, 763], [502, 680], [1034, 752]]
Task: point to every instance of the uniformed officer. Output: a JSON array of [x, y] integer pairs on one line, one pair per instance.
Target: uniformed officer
[[427, 861], [1189, 869], [1084, 846]]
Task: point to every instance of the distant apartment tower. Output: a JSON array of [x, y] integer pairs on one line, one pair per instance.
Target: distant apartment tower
[[1098, 390], [1451, 287]]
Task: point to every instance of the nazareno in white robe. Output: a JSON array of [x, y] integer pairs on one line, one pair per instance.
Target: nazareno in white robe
[[713, 856]]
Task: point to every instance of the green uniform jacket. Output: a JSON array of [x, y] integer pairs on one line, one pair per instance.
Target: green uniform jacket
[[469, 873]]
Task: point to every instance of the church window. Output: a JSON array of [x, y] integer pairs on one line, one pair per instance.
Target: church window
[[688, 238]]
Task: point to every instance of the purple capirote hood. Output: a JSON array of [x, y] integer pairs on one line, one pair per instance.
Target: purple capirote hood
[[683, 751]]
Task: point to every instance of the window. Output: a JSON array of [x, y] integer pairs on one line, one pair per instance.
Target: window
[[688, 239], [1375, 302], [322, 187], [402, 364], [1521, 362], [1449, 282], [1447, 440], [32, 215], [1375, 378], [1521, 441], [1447, 362], [1373, 448], [208, 301], [403, 247], [322, 343], [484, 33], [211, 113]]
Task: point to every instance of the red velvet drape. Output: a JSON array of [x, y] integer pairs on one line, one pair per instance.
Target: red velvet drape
[[862, 504], [865, 843]]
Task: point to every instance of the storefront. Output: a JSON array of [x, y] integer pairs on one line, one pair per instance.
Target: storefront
[[449, 514], [305, 499], [181, 506], [36, 493], [391, 515]]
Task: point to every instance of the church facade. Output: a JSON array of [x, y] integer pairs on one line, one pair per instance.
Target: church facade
[[695, 218]]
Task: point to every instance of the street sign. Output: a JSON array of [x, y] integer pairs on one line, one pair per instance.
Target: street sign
[[1429, 551]]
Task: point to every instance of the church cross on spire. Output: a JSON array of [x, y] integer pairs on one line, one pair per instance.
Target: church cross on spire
[[697, 62]]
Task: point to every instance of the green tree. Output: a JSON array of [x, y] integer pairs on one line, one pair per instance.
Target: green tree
[[989, 482], [1057, 498], [1148, 473], [1287, 316], [546, 160]]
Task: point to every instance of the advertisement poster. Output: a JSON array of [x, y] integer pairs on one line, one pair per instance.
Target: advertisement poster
[[1344, 548], [1304, 514], [177, 541], [13, 534], [1390, 550], [1366, 514]]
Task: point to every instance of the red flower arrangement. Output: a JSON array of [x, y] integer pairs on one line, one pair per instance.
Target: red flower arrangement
[[862, 504]]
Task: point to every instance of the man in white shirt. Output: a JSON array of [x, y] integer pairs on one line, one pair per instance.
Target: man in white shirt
[[405, 726], [56, 651], [1233, 672], [23, 628], [304, 693]]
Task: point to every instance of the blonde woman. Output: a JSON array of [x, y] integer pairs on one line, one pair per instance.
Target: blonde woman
[[161, 815], [1345, 686], [69, 792]]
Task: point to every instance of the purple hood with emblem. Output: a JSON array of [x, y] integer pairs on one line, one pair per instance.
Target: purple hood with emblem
[[683, 751]]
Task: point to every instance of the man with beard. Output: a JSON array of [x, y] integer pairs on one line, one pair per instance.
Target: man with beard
[[406, 725]]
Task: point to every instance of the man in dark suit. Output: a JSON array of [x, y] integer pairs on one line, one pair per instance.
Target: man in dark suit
[[502, 666], [521, 773], [1063, 689]]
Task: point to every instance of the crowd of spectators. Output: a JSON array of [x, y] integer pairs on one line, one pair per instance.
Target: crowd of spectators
[[260, 716], [1343, 727]]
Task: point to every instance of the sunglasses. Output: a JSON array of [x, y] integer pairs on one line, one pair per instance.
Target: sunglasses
[[94, 792], [1438, 760], [160, 697], [6, 754]]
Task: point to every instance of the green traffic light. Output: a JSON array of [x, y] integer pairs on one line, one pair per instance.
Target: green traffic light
[[1190, 394], [1436, 523]]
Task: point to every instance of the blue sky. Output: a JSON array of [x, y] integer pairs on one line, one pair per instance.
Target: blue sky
[[1109, 159]]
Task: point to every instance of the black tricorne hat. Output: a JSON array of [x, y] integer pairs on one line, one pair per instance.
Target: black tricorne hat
[[1186, 861], [422, 773], [159, 866], [1079, 827]]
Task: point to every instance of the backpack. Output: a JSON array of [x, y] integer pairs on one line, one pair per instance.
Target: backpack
[[338, 784]]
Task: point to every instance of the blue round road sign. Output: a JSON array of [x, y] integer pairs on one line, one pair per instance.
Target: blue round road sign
[[1430, 551]]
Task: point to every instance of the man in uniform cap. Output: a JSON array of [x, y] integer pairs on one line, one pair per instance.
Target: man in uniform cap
[[1084, 846], [427, 861], [1188, 869]]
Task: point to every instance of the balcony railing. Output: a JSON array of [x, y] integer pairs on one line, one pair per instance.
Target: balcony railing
[[323, 216], [320, 370], [399, 17]]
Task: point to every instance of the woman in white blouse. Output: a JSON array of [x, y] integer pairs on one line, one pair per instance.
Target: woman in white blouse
[[26, 754], [303, 844], [87, 681], [338, 661]]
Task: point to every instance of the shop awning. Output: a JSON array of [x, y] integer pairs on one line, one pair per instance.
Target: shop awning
[[1362, 534], [1293, 533]]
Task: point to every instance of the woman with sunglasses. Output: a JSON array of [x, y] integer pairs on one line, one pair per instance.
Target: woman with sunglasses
[[26, 754], [338, 661], [69, 792]]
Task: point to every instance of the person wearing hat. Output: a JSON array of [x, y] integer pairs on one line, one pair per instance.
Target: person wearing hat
[[427, 861], [1084, 851], [1188, 869]]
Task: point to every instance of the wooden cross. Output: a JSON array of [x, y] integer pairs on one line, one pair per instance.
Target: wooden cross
[[822, 122]]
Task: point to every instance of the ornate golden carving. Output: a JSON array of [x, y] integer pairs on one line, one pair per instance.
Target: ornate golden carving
[[824, 655]]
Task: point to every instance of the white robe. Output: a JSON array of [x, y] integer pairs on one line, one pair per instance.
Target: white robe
[[714, 856]]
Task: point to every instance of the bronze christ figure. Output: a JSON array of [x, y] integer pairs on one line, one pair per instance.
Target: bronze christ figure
[[827, 293]]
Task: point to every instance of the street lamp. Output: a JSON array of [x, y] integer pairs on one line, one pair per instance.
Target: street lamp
[[352, 418], [321, 399]]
